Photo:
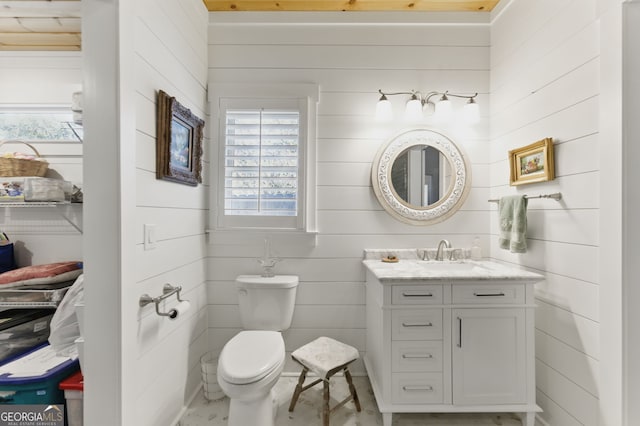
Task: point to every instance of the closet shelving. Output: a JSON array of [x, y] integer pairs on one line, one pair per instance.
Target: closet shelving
[[71, 213], [17, 222], [34, 297], [34, 218]]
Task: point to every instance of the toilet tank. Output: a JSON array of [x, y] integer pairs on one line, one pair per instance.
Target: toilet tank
[[266, 303]]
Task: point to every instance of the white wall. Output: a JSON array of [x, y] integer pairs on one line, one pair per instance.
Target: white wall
[[170, 54], [43, 79], [39, 77], [545, 70], [142, 369], [350, 56]]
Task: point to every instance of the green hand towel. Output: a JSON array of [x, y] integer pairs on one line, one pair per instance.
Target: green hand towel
[[513, 223]]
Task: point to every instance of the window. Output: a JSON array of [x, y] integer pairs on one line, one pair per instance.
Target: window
[[35, 124], [261, 162], [266, 162]]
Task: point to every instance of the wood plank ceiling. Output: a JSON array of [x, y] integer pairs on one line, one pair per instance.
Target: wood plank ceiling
[[352, 5], [40, 25], [55, 24]]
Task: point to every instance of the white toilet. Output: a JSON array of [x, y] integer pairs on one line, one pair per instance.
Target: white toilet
[[251, 362]]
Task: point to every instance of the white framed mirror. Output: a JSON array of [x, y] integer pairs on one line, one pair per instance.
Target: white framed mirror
[[420, 176]]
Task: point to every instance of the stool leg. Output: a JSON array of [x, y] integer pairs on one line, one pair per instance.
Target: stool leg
[[325, 408], [298, 389], [352, 389]]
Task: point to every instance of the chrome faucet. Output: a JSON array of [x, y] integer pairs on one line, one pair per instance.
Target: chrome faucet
[[440, 252]]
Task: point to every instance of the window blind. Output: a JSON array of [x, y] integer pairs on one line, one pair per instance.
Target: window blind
[[261, 162]]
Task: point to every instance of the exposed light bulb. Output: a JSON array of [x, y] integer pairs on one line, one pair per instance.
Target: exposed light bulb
[[413, 109], [384, 112]]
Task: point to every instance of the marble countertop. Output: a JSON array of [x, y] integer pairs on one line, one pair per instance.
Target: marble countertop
[[468, 270]]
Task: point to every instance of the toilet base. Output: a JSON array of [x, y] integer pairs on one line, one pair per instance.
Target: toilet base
[[256, 412]]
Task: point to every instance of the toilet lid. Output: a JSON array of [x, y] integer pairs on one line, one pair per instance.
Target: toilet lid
[[251, 355]]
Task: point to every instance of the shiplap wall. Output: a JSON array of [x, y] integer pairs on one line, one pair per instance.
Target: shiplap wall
[[41, 235], [350, 61], [170, 54], [545, 83]]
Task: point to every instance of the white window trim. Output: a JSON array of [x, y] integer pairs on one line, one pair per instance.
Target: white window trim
[[309, 94]]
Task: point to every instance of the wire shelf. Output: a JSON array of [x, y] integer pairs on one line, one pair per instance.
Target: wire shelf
[[34, 297]]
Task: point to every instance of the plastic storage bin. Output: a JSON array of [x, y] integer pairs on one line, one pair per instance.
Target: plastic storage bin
[[22, 330], [34, 377], [73, 388], [44, 189], [35, 189]]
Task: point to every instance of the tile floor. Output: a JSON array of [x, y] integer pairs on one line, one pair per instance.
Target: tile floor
[[308, 411]]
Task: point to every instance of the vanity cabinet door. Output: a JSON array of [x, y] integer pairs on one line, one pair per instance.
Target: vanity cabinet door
[[489, 356]]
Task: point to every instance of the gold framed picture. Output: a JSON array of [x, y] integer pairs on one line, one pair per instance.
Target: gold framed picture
[[532, 163]]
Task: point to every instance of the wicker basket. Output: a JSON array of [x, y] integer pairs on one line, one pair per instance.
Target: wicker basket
[[20, 166]]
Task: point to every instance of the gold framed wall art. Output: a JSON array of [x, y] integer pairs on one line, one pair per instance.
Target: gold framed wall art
[[532, 163]]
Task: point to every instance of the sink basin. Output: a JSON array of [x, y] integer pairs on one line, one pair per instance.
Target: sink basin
[[436, 266]]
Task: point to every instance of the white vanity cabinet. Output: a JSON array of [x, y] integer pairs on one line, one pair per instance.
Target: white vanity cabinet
[[451, 345]]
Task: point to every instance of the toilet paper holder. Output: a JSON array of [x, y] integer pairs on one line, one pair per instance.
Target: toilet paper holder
[[167, 291]]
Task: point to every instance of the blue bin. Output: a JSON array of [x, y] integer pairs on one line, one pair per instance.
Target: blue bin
[[35, 389]]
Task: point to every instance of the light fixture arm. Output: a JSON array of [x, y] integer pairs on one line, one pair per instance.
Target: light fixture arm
[[461, 96], [396, 93], [425, 98], [446, 94]]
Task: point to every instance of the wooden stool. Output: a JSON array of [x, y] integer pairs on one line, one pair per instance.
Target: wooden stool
[[325, 357]]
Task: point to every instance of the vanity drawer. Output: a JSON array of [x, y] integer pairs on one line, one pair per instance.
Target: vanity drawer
[[416, 294], [417, 388], [416, 356], [416, 324], [489, 294]]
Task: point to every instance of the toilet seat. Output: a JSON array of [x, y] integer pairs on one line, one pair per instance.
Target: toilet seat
[[250, 356]]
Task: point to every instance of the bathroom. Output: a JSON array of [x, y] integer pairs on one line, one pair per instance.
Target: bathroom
[[542, 69]]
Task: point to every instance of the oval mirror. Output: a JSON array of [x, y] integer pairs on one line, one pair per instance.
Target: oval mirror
[[420, 177]]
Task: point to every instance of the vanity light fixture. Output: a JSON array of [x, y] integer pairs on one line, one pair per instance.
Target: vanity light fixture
[[442, 108]]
